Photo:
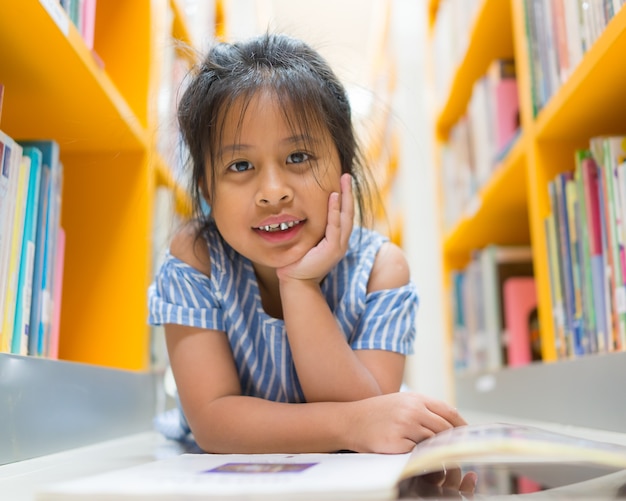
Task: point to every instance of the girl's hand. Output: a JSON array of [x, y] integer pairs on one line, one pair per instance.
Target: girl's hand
[[316, 263], [395, 422]]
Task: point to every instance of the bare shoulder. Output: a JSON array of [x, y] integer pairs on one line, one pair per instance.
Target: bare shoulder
[[390, 270], [191, 247]]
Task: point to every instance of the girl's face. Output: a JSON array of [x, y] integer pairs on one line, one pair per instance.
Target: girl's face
[[273, 182]]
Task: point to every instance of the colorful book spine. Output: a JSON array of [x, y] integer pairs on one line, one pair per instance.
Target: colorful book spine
[[607, 258], [519, 301], [591, 192], [584, 251], [614, 151], [52, 232], [601, 148], [556, 290], [9, 170], [52, 348], [565, 257], [503, 87], [581, 345], [50, 162], [27, 255], [17, 235]]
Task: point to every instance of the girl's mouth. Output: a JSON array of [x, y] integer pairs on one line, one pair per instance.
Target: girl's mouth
[[276, 227]]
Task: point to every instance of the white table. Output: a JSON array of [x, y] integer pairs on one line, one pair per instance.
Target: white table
[[19, 481]]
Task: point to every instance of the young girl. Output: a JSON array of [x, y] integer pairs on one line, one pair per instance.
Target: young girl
[[287, 329]]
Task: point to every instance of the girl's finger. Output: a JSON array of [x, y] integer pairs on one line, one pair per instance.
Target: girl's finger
[[333, 224], [347, 207], [450, 414]]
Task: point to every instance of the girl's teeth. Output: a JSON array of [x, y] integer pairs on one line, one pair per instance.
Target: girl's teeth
[[279, 227]]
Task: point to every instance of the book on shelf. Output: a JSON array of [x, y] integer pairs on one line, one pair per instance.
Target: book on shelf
[[459, 183], [480, 304], [469, 334], [481, 138], [47, 229], [588, 176], [585, 341], [500, 263], [610, 154], [558, 192], [586, 241], [15, 244], [505, 451], [556, 290], [481, 130], [82, 13], [88, 22], [504, 93], [50, 261], [520, 319], [51, 348], [559, 33], [10, 159], [27, 252]]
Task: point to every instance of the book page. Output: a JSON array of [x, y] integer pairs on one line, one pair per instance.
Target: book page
[[508, 443], [256, 476]]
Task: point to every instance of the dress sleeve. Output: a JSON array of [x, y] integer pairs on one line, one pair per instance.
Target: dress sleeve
[[182, 295], [388, 321]]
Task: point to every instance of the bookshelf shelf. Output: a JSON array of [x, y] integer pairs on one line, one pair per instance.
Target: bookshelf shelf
[[490, 39], [513, 205], [67, 96]]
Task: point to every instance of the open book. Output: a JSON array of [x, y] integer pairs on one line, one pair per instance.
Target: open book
[[505, 457]]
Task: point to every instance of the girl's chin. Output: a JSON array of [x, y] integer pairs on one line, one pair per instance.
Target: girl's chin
[[280, 261]]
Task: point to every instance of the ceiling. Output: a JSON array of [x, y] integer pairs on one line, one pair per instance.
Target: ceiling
[[346, 32]]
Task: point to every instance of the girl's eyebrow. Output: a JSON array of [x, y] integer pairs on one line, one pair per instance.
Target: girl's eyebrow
[[302, 138], [232, 148]]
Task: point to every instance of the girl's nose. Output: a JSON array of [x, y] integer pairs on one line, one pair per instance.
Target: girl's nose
[[273, 188]]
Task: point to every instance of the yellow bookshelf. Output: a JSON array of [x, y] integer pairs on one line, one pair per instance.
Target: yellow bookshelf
[[100, 106], [511, 207]]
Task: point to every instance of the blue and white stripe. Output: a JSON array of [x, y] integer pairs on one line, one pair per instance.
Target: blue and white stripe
[[230, 301]]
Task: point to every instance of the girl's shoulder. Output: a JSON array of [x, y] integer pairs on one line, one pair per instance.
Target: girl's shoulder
[[389, 268], [190, 246]]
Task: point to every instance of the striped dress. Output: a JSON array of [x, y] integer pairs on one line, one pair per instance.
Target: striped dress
[[229, 301]]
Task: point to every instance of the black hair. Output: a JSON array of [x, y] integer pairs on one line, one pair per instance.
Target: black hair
[[307, 89]]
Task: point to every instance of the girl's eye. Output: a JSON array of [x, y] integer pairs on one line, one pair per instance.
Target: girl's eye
[[240, 166], [297, 158]]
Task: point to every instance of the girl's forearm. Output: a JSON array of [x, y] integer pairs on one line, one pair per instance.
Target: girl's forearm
[[387, 424], [239, 424], [328, 368]]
